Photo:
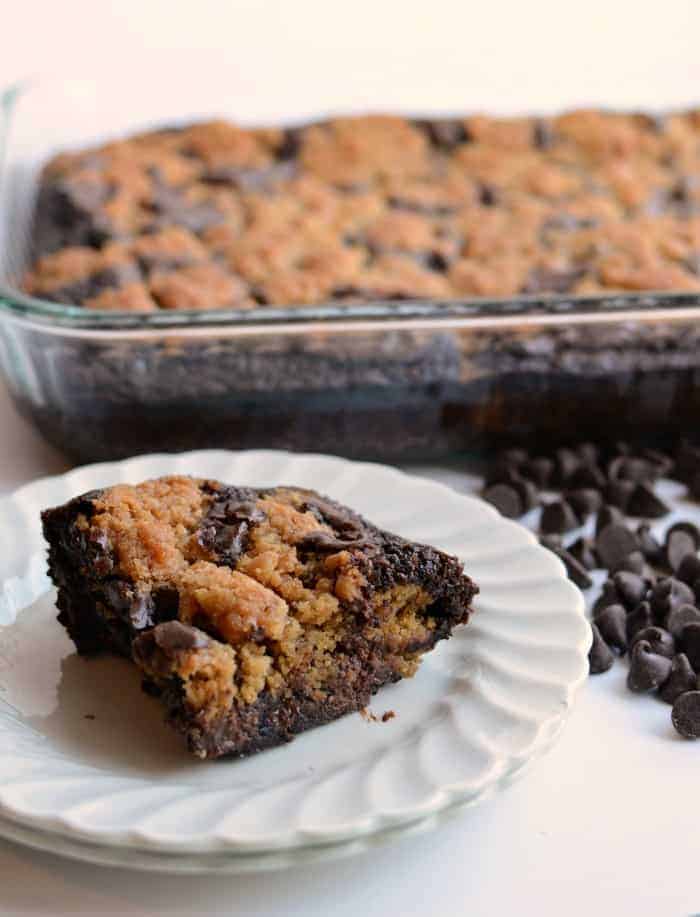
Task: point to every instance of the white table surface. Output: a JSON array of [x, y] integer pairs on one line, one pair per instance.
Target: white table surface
[[607, 823]]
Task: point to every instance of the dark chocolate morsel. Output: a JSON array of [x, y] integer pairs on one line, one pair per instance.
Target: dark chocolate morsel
[[506, 500], [690, 644], [639, 618], [687, 463], [618, 493], [588, 453], [689, 569], [558, 517], [660, 641], [685, 715], [633, 563], [325, 541], [689, 527], [566, 463], [584, 501], [681, 679], [582, 550], [600, 656], [630, 468], [631, 588], [679, 544], [129, 603], [645, 503], [174, 636], [552, 542], [608, 515], [614, 544], [539, 470], [648, 670], [529, 495], [678, 617], [661, 463], [648, 545], [608, 596], [587, 476], [514, 456], [667, 594], [574, 570], [612, 624]]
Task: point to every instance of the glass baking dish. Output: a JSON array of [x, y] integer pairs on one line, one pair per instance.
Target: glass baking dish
[[390, 380]]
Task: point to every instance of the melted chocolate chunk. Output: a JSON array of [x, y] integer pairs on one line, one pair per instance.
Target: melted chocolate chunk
[[224, 530]]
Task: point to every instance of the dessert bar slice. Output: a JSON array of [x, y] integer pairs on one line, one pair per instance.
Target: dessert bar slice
[[252, 614]]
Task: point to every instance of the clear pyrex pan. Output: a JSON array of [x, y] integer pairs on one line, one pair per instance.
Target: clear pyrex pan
[[397, 380]]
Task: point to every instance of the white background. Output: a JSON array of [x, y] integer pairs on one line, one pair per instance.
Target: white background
[[607, 823]]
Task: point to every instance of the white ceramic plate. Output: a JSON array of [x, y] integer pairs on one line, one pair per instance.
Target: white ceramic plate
[[84, 755]]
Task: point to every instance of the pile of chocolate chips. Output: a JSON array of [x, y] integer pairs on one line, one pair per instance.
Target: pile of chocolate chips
[[649, 607]]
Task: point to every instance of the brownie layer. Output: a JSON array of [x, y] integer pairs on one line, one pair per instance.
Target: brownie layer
[[254, 614], [372, 208]]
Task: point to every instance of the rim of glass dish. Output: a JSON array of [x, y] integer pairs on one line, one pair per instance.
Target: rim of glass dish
[[28, 308], [675, 304]]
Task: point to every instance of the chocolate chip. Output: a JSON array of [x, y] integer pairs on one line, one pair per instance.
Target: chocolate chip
[[614, 544], [506, 499], [631, 588], [648, 670], [689, 528], [690, 643], [542, 134], [445, 133], [608, 515], [644, 502], [502, 473], [648, 545], [129, 604], [552, 542], [678, 545], [618, 493], [584, 502], [582, 550], [633, 563], [678, 617], [667, 594], [637, 620], [566, 463], [687, 463], [612, 624], [558, 517], [681, 679], [600, 656], [694, 486], [325, 541], [629, 468], [689, 569], [588, 453], [515, 456], [608, 596], [488, 196], [174, 636], [685, 715], [529, 495], [539, 470], [574, 570], [660, 641], [660, 462], [587, 476]]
